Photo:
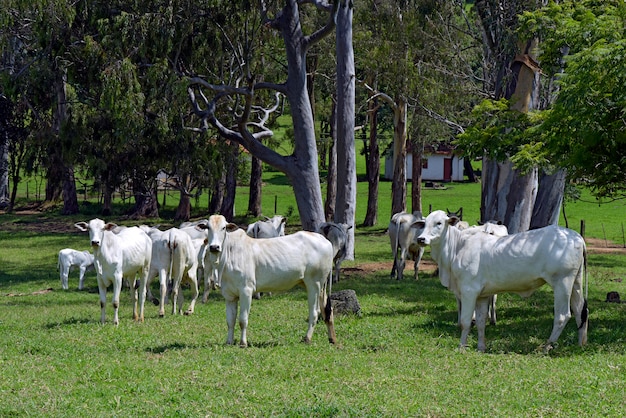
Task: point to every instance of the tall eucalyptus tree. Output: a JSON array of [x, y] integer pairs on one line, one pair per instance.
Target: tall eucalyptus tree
[[301, 167]]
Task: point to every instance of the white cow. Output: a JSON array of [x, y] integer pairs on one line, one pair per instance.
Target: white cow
[[247, 265], [404, 238], [119, 256], [268, 228], [475, 266], [175, 258], [492, 228], [69, 258]]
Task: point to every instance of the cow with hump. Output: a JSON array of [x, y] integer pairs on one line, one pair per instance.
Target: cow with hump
[[247, 265], [119, 253], [475, 266]]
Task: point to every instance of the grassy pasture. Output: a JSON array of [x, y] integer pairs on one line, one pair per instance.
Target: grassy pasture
[[400, 358]]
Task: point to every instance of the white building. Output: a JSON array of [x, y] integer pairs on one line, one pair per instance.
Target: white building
[[438, 164]]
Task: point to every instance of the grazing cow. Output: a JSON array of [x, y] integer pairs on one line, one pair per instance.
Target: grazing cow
[[173, 257], [69, 258], [475, 266], [268, 228], [119, 256], [404, 238], [249, 265], [337, 234]]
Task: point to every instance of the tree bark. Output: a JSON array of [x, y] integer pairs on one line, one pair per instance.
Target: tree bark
[[183, 210], [4, 167], [373, 167], [256, 181], [398, 186], [346, 150], [331, 177], [549, 199], [70, 196], [416, 176], [230, 187]]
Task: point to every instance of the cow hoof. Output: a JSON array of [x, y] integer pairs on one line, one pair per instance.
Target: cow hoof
[[243, 345], [306, 340], [155, 302], [187, 313]]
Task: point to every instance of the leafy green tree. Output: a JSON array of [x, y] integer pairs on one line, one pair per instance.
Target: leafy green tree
[[584, 130]]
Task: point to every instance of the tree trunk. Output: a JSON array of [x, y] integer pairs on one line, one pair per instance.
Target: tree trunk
[[416, 176], [215, 203], [230, 187], [373, 167], [256, 181], [183, 210], [549, 199], [331, 178], [469, 170], [70, 196], [54, 177], [398, 186], [346, 150], [146, 201], [107, 199], [507, 196], [4, 167]]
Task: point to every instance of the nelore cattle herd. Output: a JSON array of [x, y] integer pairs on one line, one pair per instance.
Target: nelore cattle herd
[[474, 262]]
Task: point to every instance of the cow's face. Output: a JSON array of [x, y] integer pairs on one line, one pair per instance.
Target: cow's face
[[216, 229], [96, 228], [433, 227]]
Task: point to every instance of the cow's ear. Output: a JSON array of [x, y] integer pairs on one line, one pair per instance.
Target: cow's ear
[[110, 226], [82, 226], [453, 220], [419, 224], [202, 225], [230, 227]]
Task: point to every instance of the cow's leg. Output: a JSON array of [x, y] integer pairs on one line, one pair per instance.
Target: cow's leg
[[65, 272], [142, 291], [580, 309], [175, 292], [418, 259], [245, 301], [102, 291], [194, 292], [313, 291], [401, 263], [327, 314], [208, 279], [81, 277], [492, 309], [231, 316], [482, 308], [117, 288], [162, 291], [468, 304], [562, 293]]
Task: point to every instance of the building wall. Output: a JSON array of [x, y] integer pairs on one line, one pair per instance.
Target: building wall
[[434, 170]]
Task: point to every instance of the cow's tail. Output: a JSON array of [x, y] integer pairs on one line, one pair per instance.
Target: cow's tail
[[328, 310], [584, 315], [394, 268]]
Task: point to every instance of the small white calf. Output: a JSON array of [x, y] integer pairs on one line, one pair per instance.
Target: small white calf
[[119, 256], [69, 258], [404, 238], [477, 265], [247, 265]]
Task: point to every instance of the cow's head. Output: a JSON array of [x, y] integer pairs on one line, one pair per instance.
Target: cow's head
[[433, 227], [96, 228], [216, 229]]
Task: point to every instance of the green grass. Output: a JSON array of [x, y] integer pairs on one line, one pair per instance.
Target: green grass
[[400, 358]]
